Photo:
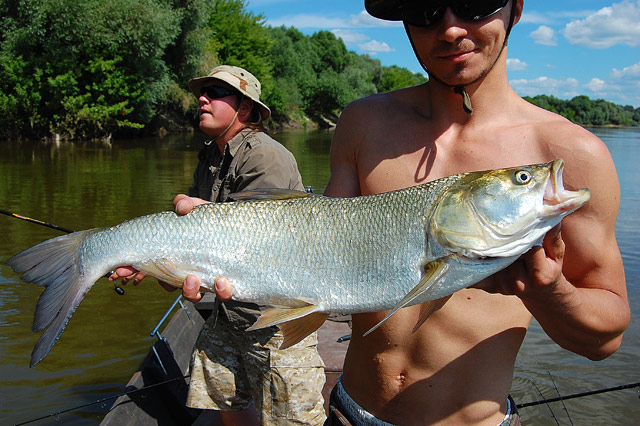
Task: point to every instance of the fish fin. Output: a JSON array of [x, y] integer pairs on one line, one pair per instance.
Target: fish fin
[[295, 323], [433, 272], [169, 272], [164, 270], [428, 308], [268, 194], [56, 265]]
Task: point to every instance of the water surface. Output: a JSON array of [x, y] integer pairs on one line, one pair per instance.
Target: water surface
[[83, 185]]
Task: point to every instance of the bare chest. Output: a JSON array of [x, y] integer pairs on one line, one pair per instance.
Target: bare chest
[[413, 163]]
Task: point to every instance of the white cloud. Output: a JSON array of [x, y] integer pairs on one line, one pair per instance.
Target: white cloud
[[373, 47], [630, 73], [552, 17], [516, 65], [350, 37], [364, 20], [596, 85], [624, 84], [305, 20], [313, 21], [544, 35], [617, 24], [564, 89], [621, 87]]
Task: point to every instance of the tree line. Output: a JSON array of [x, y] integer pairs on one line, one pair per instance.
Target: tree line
[[588, 112], [97, 68]]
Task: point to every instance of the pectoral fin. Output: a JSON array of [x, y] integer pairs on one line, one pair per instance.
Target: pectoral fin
[[433, 272], [168, 271], [295, 323], [426, 309]]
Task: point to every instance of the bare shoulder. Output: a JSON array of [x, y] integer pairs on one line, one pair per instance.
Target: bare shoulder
[[586, 156]]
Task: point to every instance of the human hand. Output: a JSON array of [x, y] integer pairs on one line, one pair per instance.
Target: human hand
[[535, 274], [191, 287], [183, 204], [126, 274]]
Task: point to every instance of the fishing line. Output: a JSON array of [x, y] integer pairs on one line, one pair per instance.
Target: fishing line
[[548, 406], [116, 288], [561, 400], [581, 394], [100, 401]]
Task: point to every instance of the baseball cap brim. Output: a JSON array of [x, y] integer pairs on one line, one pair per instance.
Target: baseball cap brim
[[388, 10]]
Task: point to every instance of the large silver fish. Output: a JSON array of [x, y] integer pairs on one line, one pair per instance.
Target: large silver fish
[[313, 256]]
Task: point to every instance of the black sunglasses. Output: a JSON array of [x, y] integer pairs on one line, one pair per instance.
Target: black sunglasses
[[425, 13], [217, 92]]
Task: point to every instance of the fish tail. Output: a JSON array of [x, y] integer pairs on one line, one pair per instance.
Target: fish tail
[[55, 264]]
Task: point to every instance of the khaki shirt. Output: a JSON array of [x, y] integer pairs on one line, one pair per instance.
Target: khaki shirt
[[251, 160]]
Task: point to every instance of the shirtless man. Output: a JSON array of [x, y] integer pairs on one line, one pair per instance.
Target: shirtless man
[[457, 368]]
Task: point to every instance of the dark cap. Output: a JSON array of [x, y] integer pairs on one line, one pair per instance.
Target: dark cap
[[388, 10]]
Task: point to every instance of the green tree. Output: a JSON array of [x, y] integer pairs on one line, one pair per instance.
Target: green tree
[[60, 49], [394, 77]]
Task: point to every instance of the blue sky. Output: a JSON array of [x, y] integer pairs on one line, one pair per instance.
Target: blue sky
[[561, 48]]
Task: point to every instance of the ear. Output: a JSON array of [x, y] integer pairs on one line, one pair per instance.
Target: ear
[[245, 108], [519, 5]]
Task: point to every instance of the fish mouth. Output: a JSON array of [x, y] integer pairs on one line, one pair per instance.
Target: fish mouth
[[556, 198]]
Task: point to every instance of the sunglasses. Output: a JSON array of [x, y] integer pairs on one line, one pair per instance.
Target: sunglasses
[[217, 92], [426, 13]]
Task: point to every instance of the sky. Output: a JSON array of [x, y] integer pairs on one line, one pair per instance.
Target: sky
[[560, 48]]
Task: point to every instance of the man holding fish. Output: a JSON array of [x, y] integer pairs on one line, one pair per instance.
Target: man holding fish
[[458, 367], [446, 362]]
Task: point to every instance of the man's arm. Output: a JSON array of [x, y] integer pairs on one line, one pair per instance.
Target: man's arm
[[344, 180], [574, 285]]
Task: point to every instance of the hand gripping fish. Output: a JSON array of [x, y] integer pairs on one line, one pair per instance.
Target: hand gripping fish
[[312, 256]]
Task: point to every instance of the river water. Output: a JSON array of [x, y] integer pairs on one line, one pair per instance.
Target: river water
[[90, 184]]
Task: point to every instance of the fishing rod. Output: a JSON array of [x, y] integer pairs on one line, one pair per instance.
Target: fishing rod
[[117, 288], [101, 400], [581, 394], [36, 221]]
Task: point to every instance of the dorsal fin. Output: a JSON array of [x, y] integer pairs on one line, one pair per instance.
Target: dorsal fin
[[268, 194]]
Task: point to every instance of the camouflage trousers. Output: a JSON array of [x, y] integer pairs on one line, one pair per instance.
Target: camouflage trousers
[[232, 368]]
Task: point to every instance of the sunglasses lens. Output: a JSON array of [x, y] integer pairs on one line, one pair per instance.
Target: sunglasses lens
[[477, 10], [215, 92], [419, 14]]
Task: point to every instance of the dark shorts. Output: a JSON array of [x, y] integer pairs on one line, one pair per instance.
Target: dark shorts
[[344, 411]]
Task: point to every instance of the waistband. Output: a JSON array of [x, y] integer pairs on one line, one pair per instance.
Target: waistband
[[359, 416]]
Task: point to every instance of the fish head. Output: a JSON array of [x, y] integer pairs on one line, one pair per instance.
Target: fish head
[[503, 213]]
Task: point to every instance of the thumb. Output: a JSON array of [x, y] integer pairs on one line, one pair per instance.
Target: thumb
[[191, 288]]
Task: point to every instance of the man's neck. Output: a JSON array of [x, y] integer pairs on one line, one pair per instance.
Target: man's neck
[[488, 96]]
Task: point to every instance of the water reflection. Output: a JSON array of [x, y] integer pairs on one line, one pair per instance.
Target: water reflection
[[88, 184]]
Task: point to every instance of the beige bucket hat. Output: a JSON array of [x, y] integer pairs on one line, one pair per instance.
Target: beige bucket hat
[[238, 78]]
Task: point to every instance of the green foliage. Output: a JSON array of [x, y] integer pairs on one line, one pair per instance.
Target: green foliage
[[238, 37], [93, 68], [83, 68], [394, 78], [588, 112]]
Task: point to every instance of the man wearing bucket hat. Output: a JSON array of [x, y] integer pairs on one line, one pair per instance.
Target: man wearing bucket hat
[[457, 368], [245, 376]]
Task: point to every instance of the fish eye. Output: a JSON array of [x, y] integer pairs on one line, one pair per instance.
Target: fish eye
[[523, 176]]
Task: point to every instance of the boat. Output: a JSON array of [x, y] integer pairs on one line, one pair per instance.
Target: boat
[[157, 391]]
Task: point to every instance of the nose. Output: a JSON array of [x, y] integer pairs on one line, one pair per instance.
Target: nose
[[451, 28]]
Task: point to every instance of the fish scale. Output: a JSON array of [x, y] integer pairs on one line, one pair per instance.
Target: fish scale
[[313, 256]]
